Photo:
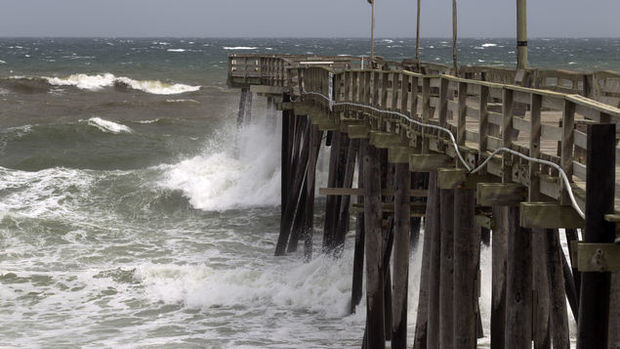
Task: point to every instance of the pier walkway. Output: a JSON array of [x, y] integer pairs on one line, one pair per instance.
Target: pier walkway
[[520, 153]]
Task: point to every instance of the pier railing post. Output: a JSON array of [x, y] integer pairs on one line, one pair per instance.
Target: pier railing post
[[600, 190]]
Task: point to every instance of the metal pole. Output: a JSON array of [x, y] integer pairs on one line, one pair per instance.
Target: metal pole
[[521, 34], [454, 37], [372, 35], [417, 36]]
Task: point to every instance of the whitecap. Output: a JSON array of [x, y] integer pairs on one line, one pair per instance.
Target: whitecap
[[147, 121], [158, 87], [389, 41], [176, 50], [97, 82], [108, 126], [84, 81], [182, 100], [240, 48], [488, 44], [2, 62]]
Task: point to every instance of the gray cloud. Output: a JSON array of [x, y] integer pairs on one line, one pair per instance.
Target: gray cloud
[[290, 18]]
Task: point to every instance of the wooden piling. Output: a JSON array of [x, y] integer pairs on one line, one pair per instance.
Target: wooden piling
[[342, 222], [402, 235], [559, 312], [243, 101], [466, 254], [431, 224], [287, 119], [358, 255], [375, 313], [315, 146], [600, 188], [518, 284], [541, 308], [446, 274], [432, 338]]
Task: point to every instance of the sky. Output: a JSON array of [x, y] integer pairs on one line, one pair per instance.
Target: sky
[[296, 18]]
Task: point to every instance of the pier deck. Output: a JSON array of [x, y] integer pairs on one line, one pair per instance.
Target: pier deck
[[482, 148]]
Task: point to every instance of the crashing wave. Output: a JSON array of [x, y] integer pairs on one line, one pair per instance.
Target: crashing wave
[[98, 82]]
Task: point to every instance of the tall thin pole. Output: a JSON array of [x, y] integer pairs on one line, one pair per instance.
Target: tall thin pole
[[372, 34], [417, 35], [521, 34], [454, 37]]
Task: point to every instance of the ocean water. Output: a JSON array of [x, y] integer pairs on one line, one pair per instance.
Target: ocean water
[[128, 219]]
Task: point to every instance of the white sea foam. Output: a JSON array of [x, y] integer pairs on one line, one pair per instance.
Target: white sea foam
[[176, 50], [98, 82], [147, 121], [488, 44], [317, 286], [2, 62], [218, 180], [108, 126], [240, 48]]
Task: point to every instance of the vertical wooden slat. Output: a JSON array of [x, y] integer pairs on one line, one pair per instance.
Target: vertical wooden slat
[[568, 142], [535, 133], [395, 90], [443, 102], [483, 126], [414, 96], [507, 131], [462, 114], [426, 109], [404, 94]]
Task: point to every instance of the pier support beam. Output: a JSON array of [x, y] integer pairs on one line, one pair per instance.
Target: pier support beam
[[342, 222], [600, 189], [375, 315], [518, 284], [559, 312], [434, 272], [499, 251], [431, 227], [446, 270], [402, 236], [466, 255], [358, 256]]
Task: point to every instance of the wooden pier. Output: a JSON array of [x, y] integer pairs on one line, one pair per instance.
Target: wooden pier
[[520, 153]]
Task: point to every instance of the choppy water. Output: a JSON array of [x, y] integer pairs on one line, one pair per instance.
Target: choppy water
[[127, 220]]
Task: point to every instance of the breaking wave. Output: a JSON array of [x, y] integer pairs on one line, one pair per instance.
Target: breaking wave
[[96, 83]]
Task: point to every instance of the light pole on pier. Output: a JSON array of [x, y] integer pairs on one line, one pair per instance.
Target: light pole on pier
[[454, 38], [372, 33], [417, 36], [521, 34]]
